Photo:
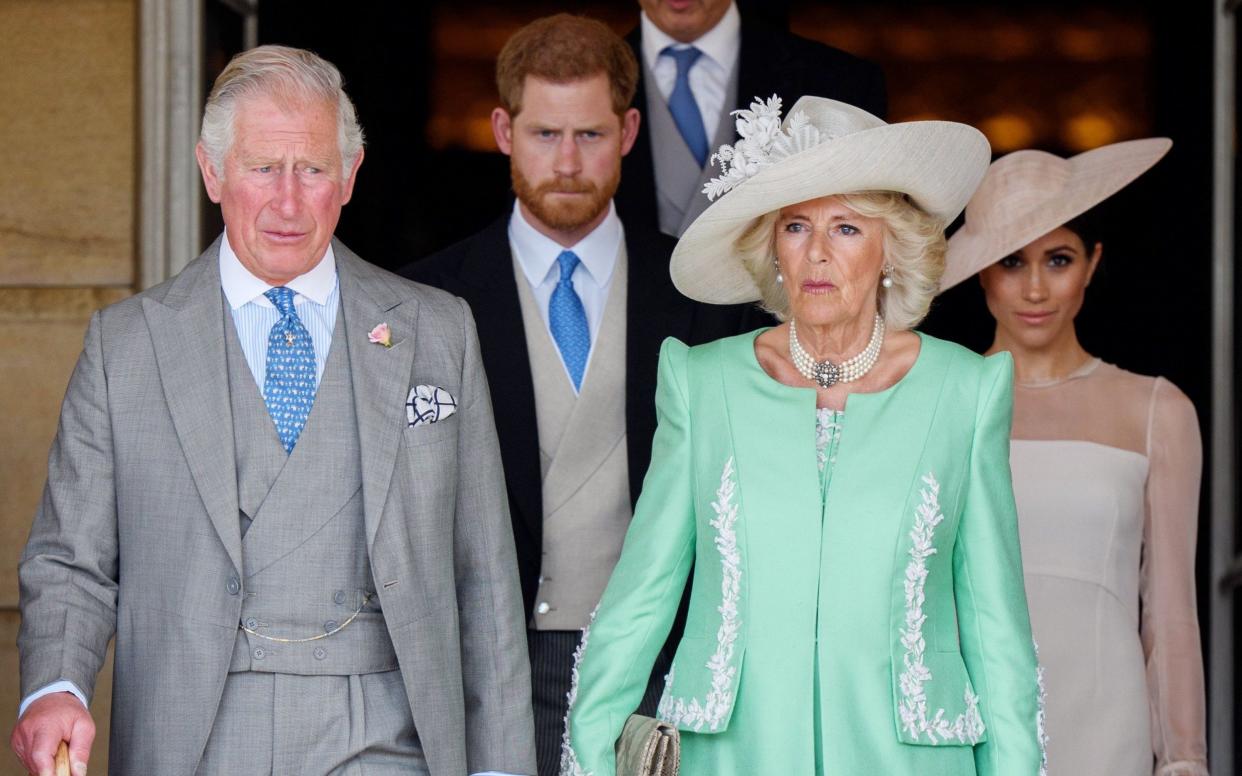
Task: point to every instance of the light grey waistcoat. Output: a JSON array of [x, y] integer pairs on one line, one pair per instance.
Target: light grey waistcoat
[[583, 459], [304, 548], [679, 180]]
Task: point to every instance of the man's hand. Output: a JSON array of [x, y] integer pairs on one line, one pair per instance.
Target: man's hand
[[51, 719]]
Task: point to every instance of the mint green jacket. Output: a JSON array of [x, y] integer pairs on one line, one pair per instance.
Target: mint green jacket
[[881, 629]]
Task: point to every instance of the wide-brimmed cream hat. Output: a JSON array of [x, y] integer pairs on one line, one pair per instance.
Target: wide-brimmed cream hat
[[823, 147], [1027, 194]]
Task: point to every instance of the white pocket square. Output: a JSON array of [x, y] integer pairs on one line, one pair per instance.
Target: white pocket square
[[428, 404]]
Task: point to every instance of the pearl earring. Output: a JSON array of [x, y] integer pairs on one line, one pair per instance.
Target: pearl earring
[[779, 277], [886, 277]]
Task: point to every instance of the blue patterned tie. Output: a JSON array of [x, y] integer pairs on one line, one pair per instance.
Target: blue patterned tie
[[568, 320], [289, 385], [682, 105]]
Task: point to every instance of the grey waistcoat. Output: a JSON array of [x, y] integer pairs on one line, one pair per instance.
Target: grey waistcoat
[[304, 548], [582, 455], [679, 179]]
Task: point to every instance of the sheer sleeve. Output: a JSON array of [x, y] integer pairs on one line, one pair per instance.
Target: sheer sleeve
[[1170, 625]]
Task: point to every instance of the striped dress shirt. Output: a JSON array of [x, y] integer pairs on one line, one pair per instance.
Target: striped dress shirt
[[317, 297]]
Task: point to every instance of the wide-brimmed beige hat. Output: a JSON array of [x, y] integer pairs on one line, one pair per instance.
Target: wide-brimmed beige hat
[[1027, 194], [823, 147]]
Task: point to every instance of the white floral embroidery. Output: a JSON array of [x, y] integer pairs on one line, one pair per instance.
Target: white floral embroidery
[[762, 143], [967, 727], [712, 710], [828, 425], [1040, 734], [569, 759]]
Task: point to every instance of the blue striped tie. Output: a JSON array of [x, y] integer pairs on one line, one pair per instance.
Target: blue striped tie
[[567, 320], [289, 385], [681, 103]]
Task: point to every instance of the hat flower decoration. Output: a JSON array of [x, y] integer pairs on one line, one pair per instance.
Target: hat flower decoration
[[822, 148], [762, 143]]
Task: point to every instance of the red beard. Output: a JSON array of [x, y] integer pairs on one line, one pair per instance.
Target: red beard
[[569, 213]]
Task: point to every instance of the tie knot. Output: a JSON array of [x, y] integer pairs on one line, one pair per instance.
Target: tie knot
[[281, 297], [569, 262], [684, 57]]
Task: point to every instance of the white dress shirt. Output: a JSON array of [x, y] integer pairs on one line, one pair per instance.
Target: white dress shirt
[[316, 299], [536, 254], [709, 75]]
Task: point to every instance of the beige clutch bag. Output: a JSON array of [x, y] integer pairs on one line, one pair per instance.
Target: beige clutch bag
[[648, 747]]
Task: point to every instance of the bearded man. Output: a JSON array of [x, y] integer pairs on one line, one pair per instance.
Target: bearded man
[[571, 308]]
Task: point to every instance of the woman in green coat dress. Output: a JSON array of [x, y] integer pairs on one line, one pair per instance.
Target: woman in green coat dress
[[839, 484]]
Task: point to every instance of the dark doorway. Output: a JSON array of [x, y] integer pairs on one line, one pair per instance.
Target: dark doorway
[[1059, 74]]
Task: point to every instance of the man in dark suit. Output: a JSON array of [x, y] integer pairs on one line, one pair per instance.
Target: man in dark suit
[[571, 309], [698, 63]]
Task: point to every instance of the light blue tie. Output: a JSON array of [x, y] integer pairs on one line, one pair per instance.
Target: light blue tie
[[568, 320], [682, 105], [289, 384]]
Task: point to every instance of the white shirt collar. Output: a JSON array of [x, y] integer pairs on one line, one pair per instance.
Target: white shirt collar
[[241, 286], [721, 43], [536, 252]]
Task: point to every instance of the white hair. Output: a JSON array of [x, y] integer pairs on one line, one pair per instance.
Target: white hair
[[914, 246], [289, 75]]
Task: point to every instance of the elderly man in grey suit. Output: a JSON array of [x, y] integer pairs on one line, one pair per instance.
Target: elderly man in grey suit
[[276, 480]]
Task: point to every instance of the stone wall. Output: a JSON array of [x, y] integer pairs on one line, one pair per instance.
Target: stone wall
[[68, 140]]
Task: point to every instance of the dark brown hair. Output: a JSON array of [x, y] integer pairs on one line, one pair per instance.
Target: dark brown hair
[[1087, 227], [561, 49]]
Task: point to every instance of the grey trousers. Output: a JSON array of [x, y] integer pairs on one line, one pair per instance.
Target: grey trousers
[[551, 663], [278, 724]]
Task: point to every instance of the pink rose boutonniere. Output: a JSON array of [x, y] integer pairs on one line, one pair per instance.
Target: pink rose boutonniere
[[381, 335]]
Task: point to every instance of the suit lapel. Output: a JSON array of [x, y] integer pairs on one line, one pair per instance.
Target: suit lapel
[[187, 332], [380, 375], [654, 310], [488, 271], [636, 197], [755, 65]]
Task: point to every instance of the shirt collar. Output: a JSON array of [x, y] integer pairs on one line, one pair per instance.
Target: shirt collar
[[721, 43], [536, 252], [241, 286]]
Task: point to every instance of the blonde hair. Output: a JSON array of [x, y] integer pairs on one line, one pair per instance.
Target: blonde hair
[[289, 75], [914, 247]]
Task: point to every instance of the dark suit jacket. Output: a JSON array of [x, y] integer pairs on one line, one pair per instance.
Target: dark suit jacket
[[480, 270], [771, 61]]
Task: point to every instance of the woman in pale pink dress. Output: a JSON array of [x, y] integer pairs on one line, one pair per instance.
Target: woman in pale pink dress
[[1106, 467]]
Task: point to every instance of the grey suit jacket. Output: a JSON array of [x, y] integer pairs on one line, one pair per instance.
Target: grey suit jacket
[[137, 533]]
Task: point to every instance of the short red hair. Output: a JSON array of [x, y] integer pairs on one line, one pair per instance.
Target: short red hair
[[565, 48]]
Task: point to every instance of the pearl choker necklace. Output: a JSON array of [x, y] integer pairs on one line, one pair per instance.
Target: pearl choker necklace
[[827, 374]]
